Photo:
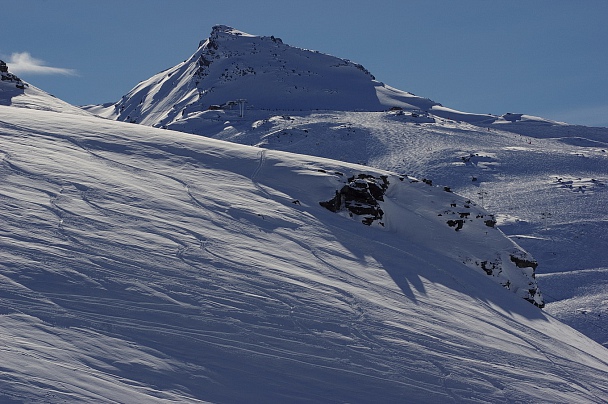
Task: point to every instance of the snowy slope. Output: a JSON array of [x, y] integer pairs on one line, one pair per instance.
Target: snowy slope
[[545, 181], [144, 265]]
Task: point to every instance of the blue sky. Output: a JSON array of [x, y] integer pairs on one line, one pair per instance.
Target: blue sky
[[545, 58]]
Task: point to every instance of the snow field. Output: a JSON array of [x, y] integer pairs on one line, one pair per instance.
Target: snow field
[[542, 181], [147, 265]]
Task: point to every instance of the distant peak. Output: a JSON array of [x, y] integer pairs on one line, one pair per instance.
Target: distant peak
[[220, 30]]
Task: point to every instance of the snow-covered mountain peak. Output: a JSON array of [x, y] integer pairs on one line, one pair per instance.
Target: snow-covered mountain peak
[[219, 32], [223, 33], [269, 74]]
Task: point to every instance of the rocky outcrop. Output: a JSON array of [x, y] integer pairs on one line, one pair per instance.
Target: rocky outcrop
[[7, 77], [524, 262], [360, 197]]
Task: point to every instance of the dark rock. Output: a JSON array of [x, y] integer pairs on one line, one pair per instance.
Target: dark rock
[[523, 263], [488, 267], [376, 191], [458, 223], [212, 45], [334, 203], [203, 62], [360, 196], [533, 293], [10, 77]]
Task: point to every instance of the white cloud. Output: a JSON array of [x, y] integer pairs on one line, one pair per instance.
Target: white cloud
[[23, 62]]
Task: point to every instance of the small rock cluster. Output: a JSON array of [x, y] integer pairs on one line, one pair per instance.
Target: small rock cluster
[[10, 77], [464, 215], [360, 197], [528, 266]]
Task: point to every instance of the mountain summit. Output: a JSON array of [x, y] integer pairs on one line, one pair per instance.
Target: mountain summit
[[232, 65], [232, 68]]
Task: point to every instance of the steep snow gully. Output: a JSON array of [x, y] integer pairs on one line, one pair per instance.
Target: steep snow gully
[[145, 265]]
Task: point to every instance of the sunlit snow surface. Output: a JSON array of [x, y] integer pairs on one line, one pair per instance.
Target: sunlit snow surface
[[144, 265], [546, 181]]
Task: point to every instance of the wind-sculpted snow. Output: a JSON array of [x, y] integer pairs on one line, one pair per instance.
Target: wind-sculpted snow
[[545, 182], [143, 265]]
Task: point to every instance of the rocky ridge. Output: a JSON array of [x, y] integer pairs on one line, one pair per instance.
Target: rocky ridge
[[7, 77]]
